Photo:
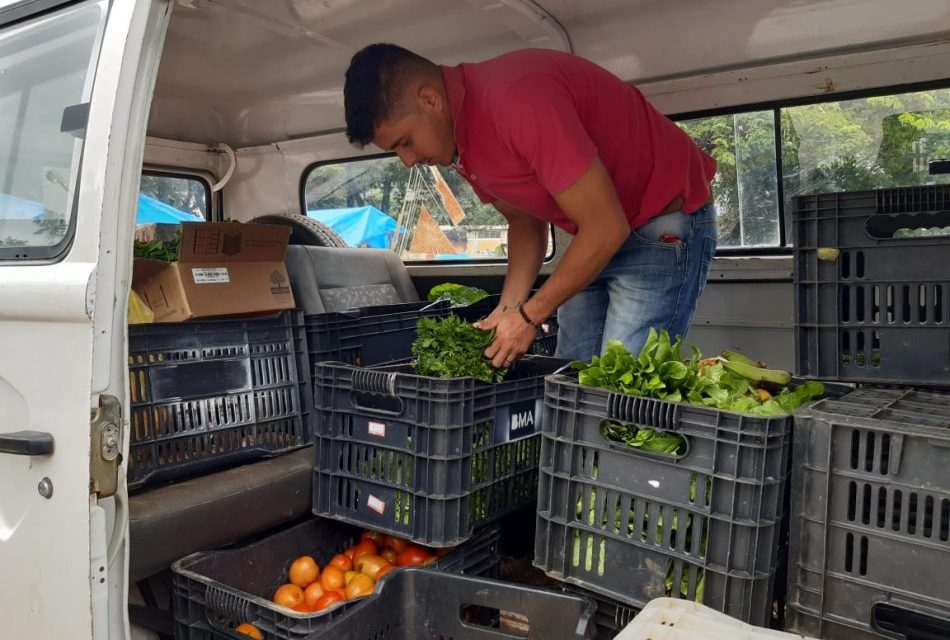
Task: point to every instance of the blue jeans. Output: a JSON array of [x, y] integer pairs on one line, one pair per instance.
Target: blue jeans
[[654, 280]]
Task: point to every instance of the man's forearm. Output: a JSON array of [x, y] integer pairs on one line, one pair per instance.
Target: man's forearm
[[585, 258], [527, 244]]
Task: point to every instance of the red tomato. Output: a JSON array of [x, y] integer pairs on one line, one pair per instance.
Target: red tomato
[[370, 564], [396, 544], [364, 547], [375, 536], [327, 599], [361, 585], [341, 562], [413, 556]]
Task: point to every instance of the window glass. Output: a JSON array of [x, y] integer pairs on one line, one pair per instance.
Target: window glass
[[867, 143], [746, 183], [46, 67], [423, 213], [184, 195]]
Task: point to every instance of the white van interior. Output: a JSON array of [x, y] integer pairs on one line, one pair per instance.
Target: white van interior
[[236, 114]]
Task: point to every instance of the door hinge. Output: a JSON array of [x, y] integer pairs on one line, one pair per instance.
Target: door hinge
[[106, 457]]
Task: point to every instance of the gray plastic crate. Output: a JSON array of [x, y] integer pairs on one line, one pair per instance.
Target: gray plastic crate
[[869, 552], [214, 591], [425, 458], [880, 311], [209, 394], [632, 525]]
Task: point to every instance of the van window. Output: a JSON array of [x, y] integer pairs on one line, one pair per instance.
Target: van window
[[844, 145], [187, 194], [867, 143], [746, 183], [45, 79], [423, 213]]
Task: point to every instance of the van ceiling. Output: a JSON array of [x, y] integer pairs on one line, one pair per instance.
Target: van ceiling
[[247, 72]]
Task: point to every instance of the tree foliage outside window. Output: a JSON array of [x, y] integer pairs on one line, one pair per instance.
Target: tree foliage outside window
[[850, 145]]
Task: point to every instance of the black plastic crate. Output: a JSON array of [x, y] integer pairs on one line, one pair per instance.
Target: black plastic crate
[[425, 458], [633, 525], [870, 543], [214, 591], [879, 310], [212, 393], [368, 335], [418, 603]]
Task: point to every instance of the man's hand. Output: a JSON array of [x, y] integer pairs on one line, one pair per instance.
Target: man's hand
[[513, 337]]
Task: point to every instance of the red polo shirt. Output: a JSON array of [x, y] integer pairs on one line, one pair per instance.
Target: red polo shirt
[[529, 123]]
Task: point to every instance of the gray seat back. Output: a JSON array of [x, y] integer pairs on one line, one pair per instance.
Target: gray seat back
[[328, 279]]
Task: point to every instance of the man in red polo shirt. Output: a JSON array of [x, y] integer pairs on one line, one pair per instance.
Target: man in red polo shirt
[[548, 137]]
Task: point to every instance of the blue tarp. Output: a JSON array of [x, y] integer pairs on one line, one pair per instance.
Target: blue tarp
[[151, 211], [15, 208], [359, 226]]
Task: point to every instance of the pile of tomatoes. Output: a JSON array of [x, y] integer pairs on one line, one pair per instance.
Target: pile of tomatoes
[[348, 575]]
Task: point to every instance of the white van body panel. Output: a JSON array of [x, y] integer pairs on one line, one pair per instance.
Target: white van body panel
[[63, 339]]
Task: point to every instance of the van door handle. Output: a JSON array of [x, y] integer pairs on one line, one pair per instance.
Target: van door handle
[[27, 443]]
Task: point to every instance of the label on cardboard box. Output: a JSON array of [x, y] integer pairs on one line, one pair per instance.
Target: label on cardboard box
[[210, 275]]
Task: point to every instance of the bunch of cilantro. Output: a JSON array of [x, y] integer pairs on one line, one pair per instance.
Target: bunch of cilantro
[[453, 348]]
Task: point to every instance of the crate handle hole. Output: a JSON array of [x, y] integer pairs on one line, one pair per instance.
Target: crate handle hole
[[508, 623], [907, 226], [898, 622]]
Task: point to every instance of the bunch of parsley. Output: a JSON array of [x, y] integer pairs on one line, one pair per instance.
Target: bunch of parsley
[[453, 348]]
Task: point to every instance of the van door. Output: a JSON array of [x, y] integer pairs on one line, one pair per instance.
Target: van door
[[71, 117]]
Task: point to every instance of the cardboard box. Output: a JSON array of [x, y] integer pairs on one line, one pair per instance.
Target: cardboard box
[[222, 269]]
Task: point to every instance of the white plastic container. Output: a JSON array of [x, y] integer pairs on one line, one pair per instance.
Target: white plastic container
[[674, 619]]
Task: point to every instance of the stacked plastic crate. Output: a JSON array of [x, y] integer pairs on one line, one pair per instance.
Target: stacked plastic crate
[[208, 394], [870, 544], [628, 526]]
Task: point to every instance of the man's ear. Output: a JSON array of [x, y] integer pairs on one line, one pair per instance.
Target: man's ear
[[430, 97]]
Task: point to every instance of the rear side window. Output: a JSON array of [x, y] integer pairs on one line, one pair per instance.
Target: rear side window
[[170, 198], [46, 69], [423, 213]]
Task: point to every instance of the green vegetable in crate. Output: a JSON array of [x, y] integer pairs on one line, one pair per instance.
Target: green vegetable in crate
[[644, 438], [732, 381], [458, 294], [453, 348], [158, 250]]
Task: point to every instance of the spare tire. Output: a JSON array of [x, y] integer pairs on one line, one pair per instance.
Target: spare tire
[[304, 230]]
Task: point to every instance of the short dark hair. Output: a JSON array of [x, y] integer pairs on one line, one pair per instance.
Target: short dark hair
[[374, 81]]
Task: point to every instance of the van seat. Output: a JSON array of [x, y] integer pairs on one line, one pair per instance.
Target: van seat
[[326, 279], [170, 522]]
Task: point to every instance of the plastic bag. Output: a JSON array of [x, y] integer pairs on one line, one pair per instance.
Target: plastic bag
[[139, 311]]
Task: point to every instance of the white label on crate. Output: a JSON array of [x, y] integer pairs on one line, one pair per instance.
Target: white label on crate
[[376, 504], [377, 429], [207, 275]]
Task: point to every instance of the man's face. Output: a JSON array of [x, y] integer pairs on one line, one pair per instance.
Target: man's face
[[420, 133]]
